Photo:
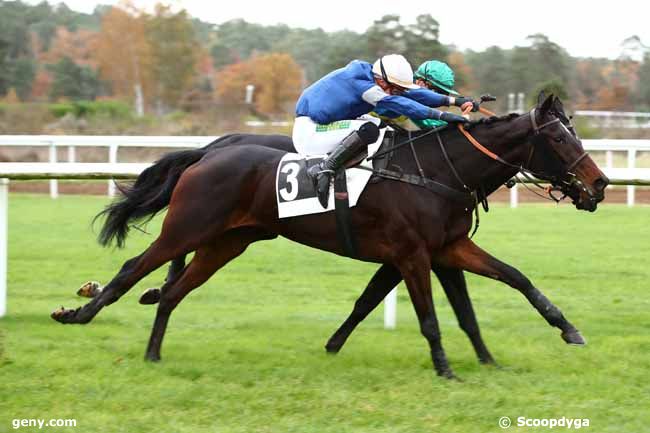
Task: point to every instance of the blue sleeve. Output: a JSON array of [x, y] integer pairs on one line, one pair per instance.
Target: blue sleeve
[[408, 107], [427, 97]]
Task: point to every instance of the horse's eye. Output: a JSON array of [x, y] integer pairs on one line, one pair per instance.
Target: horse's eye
[[559, 140]]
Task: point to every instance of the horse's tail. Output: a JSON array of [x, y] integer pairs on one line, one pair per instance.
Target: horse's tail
[[148, 195]]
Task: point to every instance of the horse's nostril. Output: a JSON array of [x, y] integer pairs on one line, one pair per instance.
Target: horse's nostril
[[601, 183]]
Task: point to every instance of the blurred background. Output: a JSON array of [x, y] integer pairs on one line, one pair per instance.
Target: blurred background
[[196, 69], [158, 69]]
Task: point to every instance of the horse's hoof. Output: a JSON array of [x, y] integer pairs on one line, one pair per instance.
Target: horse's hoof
[[573, 337], [150, 296], [63, 315], [332, 348], [89, 289], [449, 375], [152, 357], [489, 362]]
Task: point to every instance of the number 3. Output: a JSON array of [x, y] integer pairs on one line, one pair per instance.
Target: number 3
[[292, 170]]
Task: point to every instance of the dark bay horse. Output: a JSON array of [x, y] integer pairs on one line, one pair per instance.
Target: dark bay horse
[[226, 201], [385, 278]]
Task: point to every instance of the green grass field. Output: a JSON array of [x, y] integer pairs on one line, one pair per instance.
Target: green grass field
[[244, 353]]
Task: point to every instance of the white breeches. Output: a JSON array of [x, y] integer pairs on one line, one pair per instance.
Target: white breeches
[[310, 138]]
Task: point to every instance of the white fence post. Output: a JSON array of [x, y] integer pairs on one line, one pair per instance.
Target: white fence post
[[520, 102], [631, 162], [4, 205], [54, 185], [112, 159], [514, 196], [72, 154], [511, 103], [609, 159], [390, 309]]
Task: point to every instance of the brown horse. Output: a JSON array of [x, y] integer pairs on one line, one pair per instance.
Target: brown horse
[[384, 280], [226, 201]]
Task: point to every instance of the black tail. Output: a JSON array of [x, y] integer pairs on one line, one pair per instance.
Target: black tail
[[148, 195]]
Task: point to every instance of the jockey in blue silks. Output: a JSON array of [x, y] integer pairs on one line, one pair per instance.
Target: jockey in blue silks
[[331, 114]]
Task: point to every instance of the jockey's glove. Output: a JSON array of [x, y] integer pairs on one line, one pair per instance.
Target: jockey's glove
[[452, 118], [461, 100]]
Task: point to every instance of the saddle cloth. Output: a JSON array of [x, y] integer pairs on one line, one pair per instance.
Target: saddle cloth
[[295, 191]]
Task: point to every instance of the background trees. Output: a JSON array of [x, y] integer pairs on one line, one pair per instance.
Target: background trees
[[165, 60]]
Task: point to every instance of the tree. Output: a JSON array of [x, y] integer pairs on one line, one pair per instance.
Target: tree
[[386, 36], [277, 79], [309, 49], [174, 51], [551, 87], [123, 36], [73, 81], [643, 89], [343, 47], [24, 71], [241, 39], [547, 60], [464, 76], [491, 72], [279, 82], [80, 46], [588, 80], [421, 41]]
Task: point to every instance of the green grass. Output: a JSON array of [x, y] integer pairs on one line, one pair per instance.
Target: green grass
[[244, 353]]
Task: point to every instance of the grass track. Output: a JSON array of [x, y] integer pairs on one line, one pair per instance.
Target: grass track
[[244, 353]]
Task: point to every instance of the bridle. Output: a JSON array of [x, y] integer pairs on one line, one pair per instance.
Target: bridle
[[478, 195], [531, 175]]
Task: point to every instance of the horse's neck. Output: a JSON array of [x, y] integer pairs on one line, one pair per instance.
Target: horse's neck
[[507, 139], [510, 141]]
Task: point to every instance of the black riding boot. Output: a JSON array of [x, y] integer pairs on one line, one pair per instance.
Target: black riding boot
[[321, 173]]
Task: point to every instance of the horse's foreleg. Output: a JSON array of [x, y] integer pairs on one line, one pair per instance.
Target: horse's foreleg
[[152, 295], [415, 269], [379, 286], [454, 285], [464, 254]]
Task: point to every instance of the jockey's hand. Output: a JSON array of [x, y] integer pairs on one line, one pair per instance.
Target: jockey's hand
[[453, 118], [463, 103]]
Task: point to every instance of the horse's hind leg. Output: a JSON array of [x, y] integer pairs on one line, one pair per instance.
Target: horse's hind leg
[[206, 261], [152, 295], [131, 272], [454, 285], [465, 254]]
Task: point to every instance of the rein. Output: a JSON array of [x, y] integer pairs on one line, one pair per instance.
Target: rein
[[470, 198], [530, 175]]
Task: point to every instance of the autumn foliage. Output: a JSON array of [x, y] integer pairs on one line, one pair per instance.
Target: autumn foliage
[[277, 79]]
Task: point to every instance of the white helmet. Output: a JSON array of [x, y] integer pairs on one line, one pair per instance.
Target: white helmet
[[395, 69]]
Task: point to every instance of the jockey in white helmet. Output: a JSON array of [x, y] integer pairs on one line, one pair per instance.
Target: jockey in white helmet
[[330, 114]]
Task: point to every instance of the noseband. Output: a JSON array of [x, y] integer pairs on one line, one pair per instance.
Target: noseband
[[569, 168]]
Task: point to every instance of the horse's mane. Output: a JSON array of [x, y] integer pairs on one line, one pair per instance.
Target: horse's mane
[[451, 128], [489, 121]]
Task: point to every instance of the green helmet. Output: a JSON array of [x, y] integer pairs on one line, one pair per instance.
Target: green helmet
[[438, 74]]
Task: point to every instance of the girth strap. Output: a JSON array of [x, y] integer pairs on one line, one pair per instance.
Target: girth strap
[[465, 197], [344, 232]]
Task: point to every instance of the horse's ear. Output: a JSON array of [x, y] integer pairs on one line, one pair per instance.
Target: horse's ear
[[559, 107], [546, 105], [541, 97]]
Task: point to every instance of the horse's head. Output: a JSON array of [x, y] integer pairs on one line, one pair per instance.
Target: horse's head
[[559, 158]]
